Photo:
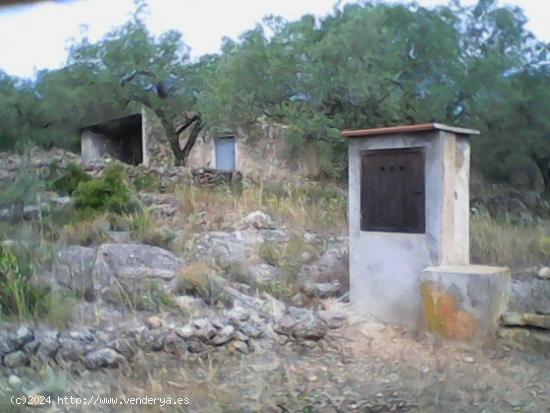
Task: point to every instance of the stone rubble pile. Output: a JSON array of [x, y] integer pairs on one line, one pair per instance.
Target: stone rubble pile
[[238, 328]]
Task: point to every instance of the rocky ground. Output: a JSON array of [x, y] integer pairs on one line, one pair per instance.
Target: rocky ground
[[360, 367], [195, 316]]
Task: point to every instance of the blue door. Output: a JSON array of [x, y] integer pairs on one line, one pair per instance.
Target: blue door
[[225, 154]]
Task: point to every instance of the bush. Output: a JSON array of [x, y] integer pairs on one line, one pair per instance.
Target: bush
[[69, 179], [110, 193]]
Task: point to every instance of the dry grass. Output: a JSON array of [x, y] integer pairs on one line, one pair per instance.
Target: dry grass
[[310, 206], [93, 231], [199, 279], [503, 242]]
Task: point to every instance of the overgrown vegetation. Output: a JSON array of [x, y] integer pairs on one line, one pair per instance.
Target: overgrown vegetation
[[311, 205], [66, 180], [108, 193], [23, 296], [505, 242]]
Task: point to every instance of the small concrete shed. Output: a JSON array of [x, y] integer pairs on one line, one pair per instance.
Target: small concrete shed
[[408, 212], [137, 138]]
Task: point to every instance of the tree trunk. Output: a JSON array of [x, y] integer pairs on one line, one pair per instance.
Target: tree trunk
[[173, 133]]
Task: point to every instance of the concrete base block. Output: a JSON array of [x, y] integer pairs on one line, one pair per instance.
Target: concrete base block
[[464, 302]]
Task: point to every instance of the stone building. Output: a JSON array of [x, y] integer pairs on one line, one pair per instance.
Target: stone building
[[139, 139], [263, 157]]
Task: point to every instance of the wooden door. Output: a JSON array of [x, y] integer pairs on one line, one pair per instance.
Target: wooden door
[[392, 190]]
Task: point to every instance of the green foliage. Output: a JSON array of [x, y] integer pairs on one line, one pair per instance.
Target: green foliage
[[68, 180], [364, 65], [109, 193], [146, 182], [19, 294]]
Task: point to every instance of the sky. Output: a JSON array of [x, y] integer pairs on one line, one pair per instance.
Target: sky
[[35, 37]]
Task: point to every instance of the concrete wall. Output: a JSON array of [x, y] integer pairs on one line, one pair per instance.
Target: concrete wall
[[385, 267], [156, 149], [465, 302], [95, 146]]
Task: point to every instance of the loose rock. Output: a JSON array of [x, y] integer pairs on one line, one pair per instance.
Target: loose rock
[[105, 357]]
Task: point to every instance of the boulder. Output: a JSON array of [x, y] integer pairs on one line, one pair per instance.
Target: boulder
[[16, 359], [256, 220], [7, 342], [544, 273], [191, 305], [524, 339], [529, 294], [152, 262], [331, 267], [131, 270], [334, 319], [23, 336], [322, 290], [74, 267], [225, 335], [301, 324], [105, 357]]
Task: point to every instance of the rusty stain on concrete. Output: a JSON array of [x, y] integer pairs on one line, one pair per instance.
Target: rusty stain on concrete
[[443, 316]]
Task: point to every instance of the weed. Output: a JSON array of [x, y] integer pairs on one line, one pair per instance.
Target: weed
[[20, 295]]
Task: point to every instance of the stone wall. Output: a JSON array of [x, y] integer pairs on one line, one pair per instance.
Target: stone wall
[[263, 158]]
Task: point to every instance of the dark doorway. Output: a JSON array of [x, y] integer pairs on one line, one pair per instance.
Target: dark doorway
[[119, 138]]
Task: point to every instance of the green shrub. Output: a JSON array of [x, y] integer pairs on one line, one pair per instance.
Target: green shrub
[[69, 179], [109, 193], [19, 294]]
